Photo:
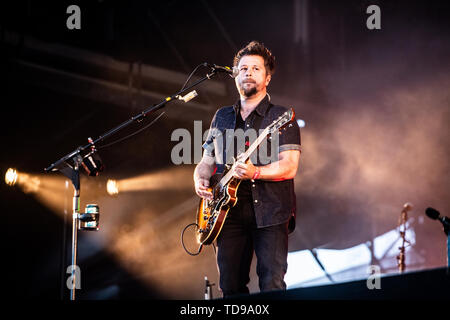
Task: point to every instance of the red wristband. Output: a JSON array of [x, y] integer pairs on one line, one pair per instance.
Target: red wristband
[[256, 174]]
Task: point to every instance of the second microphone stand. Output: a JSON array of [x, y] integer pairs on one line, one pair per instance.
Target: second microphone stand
[[402, 230]]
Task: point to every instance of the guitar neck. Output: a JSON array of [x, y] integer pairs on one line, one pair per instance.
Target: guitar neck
[[244, 157]]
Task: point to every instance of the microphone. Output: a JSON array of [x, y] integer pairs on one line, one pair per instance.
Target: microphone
[[435, 215], [432, 213], [233, 72], [191, 95], [407, 207]]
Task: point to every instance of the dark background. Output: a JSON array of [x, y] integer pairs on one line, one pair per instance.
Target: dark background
[[375, 103]]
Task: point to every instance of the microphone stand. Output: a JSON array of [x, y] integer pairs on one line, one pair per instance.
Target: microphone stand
[[402, 230], [64, 243], [69, 165], [314, 254], [435, 215], [446, 224], [447, 232]]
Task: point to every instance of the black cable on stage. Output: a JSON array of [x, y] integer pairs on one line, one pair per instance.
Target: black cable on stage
[[182, 241]]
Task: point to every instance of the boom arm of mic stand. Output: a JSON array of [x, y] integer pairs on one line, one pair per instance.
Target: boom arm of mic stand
[[138, 117]]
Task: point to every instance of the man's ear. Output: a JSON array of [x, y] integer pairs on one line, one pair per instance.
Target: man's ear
[[268, 78]]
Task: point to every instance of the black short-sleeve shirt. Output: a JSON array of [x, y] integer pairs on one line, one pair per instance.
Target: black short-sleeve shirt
[[274, 201]]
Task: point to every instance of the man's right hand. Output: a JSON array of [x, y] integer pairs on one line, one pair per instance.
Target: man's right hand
[[202, 188]]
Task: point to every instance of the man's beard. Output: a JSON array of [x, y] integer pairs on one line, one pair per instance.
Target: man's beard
[[250, 92]]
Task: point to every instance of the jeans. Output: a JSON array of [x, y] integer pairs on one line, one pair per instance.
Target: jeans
[[237, 241]]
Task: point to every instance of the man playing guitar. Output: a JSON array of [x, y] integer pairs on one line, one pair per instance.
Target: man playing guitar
[[264, 213]]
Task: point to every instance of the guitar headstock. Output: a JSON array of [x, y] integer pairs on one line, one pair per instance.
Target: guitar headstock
[[282, 120]]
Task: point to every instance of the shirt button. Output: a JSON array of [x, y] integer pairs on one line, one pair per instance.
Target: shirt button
[[253, 185], [256, 201]]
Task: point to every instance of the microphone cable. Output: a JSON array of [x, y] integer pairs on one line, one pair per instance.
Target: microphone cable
[[182, 241], [132, 134], [192, 73], [159, 116]]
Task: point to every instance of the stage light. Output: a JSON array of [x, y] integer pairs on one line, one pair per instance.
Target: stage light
[[11, 177], [301, 123], [112, 187]]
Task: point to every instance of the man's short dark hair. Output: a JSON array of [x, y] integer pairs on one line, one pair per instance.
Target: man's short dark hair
[[258, 49]]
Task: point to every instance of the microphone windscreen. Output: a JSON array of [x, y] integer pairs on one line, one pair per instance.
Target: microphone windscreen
[[235, 72], [432, 213]]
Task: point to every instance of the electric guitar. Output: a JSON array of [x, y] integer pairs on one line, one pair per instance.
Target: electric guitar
[[211, 214]]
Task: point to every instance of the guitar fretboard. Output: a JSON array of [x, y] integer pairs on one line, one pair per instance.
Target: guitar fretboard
[[277, 124], [244, 156]]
